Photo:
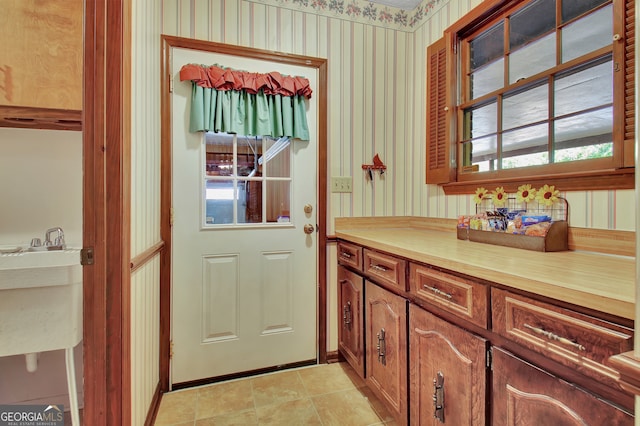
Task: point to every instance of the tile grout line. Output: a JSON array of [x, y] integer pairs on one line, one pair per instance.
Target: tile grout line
[[253, 398], [313, 404], [195, 409]]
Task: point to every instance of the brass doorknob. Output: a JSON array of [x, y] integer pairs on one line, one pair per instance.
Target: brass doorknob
[[309, 228]]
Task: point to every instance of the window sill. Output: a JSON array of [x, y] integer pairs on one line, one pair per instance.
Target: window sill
[[583, 181]]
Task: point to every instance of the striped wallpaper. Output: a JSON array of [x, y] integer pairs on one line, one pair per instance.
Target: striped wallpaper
[[376, 83], [376, 97]]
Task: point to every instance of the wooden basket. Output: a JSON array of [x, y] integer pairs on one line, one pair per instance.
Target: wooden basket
[[556, 239]]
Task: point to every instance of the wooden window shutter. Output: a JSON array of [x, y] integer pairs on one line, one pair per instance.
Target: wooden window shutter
[[629, 82], [438, 168]]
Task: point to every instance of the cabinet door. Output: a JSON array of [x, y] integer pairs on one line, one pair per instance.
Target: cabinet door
[[350, 326], [41, 60], [447, 372], [386, 346], [524, 395]]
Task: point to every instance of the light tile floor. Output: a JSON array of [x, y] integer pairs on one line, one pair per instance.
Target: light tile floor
[[330, 394]]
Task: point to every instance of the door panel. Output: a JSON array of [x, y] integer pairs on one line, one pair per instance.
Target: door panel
[[277, 292], [244, 273], [220, 301]]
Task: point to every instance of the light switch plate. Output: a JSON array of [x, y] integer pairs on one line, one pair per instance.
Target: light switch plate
[[341, 184]]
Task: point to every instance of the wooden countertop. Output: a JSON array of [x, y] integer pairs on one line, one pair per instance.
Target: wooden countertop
[[596, 281]]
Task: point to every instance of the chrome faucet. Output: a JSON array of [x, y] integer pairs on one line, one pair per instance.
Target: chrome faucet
[[58, 242]]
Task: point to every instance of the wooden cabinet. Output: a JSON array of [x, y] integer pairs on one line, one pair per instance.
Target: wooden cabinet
[[427, 339], [378, 314], [386, 348], [350, 328], [447, 372], [41, 63], [524, 395]]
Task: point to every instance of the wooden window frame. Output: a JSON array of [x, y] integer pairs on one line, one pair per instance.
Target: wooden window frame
[[565, 176]]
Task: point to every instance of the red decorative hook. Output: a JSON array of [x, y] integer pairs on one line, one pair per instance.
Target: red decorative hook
[[377, 165]]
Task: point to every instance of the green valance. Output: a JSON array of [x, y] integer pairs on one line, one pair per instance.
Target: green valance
[[252, 104]]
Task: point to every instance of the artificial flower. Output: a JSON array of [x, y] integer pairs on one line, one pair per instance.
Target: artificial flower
[[499, 197], [479, 195], [547, 195], [526, 193]]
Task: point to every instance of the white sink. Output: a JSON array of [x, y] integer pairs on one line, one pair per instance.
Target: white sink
[[39, 259], [40, 301]]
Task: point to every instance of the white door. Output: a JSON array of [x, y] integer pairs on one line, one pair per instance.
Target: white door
[[244, 278]]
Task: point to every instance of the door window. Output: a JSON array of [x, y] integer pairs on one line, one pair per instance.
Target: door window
[[246, 180]]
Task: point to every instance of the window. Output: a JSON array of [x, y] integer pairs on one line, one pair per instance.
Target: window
[[541, 90], [246, 180]]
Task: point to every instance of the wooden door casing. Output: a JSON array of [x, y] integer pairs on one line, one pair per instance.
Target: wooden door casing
[[386, 375], [439, 347], [350, 316]]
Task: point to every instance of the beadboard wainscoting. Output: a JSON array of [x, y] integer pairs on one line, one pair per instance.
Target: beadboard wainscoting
[[145, 208]]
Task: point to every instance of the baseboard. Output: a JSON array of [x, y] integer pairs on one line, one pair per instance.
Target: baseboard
[[333, 357]]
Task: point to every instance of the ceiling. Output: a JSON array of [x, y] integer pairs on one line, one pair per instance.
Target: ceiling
[[400, 4]]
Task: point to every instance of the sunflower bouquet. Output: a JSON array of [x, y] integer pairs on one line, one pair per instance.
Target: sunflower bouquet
[[512, 214]]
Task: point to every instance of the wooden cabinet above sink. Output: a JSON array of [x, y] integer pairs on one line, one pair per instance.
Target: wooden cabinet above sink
[[41, 64]]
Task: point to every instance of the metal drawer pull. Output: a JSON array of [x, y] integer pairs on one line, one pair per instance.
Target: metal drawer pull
[[346, 314], [438, 397], [345, 255], [438, 291], [381, 347], [379, 268], [555, 337]]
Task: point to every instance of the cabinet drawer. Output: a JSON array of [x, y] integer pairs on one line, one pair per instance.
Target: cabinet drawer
[[579, 341], [350, 255], [385, 270], [465, 298]]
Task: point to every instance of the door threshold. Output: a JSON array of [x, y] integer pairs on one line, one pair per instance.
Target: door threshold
[[241, 375]]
